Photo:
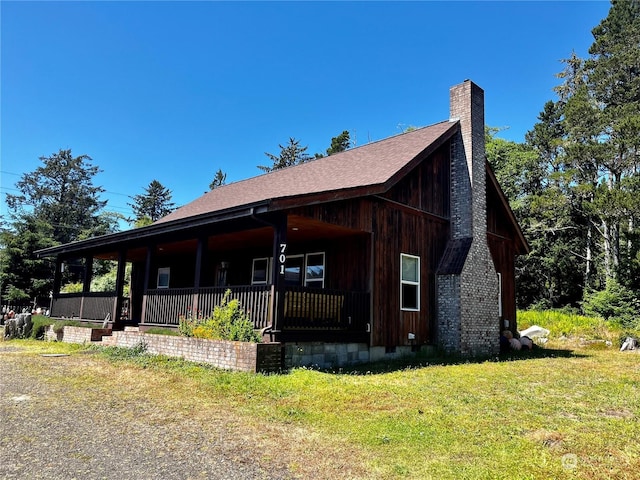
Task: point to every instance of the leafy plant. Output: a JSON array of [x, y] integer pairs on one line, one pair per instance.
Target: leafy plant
[[228, 321], [40, 323], [615, 303]]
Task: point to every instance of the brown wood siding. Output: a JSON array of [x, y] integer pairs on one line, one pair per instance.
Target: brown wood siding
[[353, 214], [497, 218], [503, 253], [427, 186], [400, 230]]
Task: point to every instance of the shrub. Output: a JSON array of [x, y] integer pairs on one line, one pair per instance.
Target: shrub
[[615, 303], [40, 323], [228, 321]]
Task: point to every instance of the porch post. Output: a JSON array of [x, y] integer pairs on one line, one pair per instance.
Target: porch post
[[88, 273], [117, 305], [145, 286], [202, 242], [280, 252], [86, 280], [57, 282]]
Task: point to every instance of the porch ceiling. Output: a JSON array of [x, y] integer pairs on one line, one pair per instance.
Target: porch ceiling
[[299, 229]]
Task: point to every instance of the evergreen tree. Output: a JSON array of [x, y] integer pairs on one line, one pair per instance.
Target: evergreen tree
[[340, 143], [218, 180], [290, 155], [61, 193], [23, 276], [155, 203], [57, 203]]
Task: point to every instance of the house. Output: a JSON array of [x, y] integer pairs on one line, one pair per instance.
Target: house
[[367, 254]]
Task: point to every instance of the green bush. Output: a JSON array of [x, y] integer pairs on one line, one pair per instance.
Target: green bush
[[615, 303], [40, 323], [228, 321]]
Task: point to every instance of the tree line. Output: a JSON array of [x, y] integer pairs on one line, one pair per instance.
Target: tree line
[[574, 184]]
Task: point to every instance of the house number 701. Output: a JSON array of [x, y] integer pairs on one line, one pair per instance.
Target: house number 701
[[283, 257]]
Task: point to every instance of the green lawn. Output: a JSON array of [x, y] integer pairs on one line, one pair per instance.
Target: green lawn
[[563, 412]]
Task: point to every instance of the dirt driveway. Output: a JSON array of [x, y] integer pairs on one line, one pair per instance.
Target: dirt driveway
[[58, 421]]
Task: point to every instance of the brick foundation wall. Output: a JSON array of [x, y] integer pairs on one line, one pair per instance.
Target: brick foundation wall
[[240, 356], [325, 355]]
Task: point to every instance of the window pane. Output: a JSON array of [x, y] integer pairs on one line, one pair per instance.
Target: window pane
[[293, 271], [315, 267], [409, 269], [260, 267], [409, 296], [163, 277]]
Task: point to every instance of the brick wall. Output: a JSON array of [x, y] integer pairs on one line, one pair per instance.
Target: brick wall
[[468, 300], [77, 334], [241, 356]]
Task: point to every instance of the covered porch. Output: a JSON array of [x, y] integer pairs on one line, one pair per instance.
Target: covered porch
[[298, 278]]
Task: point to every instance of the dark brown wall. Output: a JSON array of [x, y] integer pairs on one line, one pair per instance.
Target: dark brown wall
[[503, 253], [406, 231], [347, 261], [427, 186], [501, 237]]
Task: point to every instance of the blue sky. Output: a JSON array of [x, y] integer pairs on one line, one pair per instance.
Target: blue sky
[[175, 90]]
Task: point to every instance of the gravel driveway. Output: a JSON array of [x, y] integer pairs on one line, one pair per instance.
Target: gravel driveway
[[60, 430]]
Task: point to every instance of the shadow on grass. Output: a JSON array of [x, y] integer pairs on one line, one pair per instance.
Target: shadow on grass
[[423, 359]]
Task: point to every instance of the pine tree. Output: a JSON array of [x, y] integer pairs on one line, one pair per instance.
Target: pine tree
[[154, 204]]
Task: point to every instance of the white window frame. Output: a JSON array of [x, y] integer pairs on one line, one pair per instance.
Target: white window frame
[[499, 294], [163, 271], [409, 282], [306, 265], [269, 271]]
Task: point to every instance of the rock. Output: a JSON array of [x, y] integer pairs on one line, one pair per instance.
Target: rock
[[535, 331], [629, 344]]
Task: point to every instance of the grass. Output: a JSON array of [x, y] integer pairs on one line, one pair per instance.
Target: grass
[[563, 325], [523, 416], [163, 331]]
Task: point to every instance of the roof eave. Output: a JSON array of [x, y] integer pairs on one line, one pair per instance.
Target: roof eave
[[494, 181], [157, 229], [431, 148]]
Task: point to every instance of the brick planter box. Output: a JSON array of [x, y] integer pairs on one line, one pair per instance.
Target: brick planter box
[[71, 334], [240, 356]]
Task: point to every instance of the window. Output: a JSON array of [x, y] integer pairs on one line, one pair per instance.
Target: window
[[499, 294], [293, 270], [307, 270], [409, 282], [314, 272], [163, 277], [261, 271]]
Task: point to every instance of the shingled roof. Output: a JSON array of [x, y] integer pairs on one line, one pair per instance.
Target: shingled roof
[[369, 166]]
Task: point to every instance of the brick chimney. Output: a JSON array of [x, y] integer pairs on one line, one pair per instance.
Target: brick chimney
[[468, 321]]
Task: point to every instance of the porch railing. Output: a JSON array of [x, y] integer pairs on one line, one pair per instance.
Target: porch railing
[[255, 300], [311, 308], [165, 306], [87, 305], [304, 308]]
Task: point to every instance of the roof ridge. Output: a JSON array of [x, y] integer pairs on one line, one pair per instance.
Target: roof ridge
[[312, 160]]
